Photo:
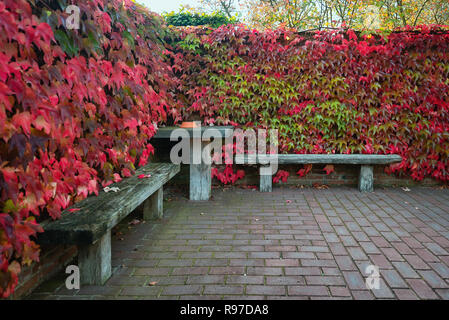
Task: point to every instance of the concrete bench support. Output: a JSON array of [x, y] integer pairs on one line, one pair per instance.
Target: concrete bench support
[[94, 261], [200, 181], [266, 180], [366, 179], [153, 207], [200, 174]]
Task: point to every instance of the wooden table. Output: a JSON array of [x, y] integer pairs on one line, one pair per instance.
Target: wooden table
[[200, 172]]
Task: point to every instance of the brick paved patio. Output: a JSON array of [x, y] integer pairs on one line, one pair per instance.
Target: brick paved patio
[[289, 244]]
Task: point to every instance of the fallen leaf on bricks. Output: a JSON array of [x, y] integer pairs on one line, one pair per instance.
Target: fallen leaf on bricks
[[135, 221]]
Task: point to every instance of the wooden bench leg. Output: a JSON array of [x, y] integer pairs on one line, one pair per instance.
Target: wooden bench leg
[[366, 179], [265, 179], [95, 261], [200, 181], [200, 172], [153, 206]]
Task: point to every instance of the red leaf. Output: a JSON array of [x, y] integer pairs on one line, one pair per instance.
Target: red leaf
[[23, 120], [281, 175], [117, 177], [329, 168]]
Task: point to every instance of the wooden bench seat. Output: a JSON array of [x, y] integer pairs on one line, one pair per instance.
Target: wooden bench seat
[[366, 162], [89, 227]]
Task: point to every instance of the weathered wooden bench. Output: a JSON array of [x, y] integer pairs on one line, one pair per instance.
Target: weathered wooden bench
[[366, 162], [88, 224]]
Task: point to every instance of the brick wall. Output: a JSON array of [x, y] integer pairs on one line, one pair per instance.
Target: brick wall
[[52, 260]]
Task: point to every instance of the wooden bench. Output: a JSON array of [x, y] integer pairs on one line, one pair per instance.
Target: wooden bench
[[89, 225], [366, 162]]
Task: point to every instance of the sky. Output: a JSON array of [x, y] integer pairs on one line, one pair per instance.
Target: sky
[[160, 6]]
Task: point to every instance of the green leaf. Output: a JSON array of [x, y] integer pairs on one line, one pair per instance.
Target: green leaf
[[67, 44], [129, 38], [9, 206]]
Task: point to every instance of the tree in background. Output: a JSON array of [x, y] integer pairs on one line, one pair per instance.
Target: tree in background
[[227, 7], [193, 17], [439, 11], [400, 13], [357, 14], [274, 13]]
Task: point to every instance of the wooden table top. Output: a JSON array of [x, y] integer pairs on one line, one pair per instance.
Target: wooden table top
[[165, 132]]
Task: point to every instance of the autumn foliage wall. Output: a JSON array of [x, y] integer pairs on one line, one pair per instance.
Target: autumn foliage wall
[[326, 92], [77, 108]]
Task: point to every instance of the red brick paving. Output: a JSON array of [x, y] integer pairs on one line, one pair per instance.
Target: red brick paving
[[245, 244]]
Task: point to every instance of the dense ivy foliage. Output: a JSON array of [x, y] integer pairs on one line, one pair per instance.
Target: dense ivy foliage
[[327, 92], [185, 19], [77, 108]]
